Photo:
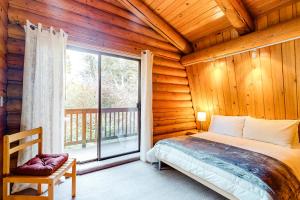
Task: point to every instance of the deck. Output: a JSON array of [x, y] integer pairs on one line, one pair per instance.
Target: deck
[[119, 132], [109, 148]]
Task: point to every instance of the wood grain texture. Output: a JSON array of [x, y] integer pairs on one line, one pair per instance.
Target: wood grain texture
[[97, 14], [50, 180], [112, 8], [82, 37], [237, 14], [262, 83], [93, 23], [258, 7], [172, 102], [171, 85], [288, 30], [191, 18], [142, 11], [3, 78]]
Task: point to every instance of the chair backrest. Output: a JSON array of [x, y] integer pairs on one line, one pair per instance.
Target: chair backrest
[[8, 150]]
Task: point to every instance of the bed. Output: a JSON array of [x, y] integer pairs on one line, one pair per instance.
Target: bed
[[235, 167]]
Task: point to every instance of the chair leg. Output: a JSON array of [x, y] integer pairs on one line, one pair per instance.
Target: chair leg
[[6, 190], [39, 190], [74, 179], [51, 191]]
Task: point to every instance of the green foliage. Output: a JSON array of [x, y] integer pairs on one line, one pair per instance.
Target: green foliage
[[119, 81]]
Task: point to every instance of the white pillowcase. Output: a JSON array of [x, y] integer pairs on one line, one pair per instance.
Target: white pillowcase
[[279, 132], [227, 125]]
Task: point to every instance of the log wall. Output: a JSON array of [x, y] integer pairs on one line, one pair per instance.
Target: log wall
[[173, 112], [3, 67], [171, 90], [264, 83], [3, 51]]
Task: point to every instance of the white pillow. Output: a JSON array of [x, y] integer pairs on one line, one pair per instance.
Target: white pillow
[[280, 132], [227, 125]]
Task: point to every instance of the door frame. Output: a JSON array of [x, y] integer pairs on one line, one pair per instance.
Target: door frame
[[99, 53], [100, 113]]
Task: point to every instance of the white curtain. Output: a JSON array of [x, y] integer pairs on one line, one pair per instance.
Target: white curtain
[[43, 90], [146, 104]]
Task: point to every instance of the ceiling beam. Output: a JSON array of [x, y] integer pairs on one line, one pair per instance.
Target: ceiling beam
[[237, 15], [143, 12], [276, 34]]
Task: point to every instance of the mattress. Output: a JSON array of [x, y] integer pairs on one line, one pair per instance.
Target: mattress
[[228, 182]]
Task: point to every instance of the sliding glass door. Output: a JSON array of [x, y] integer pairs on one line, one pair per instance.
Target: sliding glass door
[[120, 112], [81, 104], [102, 113]]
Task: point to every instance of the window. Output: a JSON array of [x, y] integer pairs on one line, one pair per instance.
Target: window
[[106, 85]]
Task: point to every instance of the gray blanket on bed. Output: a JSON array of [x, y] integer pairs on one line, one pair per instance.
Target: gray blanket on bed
[[268, 173]]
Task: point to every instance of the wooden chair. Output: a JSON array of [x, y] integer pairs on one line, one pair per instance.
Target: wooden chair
[[48, 180]]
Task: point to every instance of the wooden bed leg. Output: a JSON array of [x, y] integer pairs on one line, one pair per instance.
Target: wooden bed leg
[[51, 191], [39, 190], [6, 190], [74, 179]]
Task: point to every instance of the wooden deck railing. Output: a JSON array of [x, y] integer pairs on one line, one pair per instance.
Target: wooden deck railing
[[81, 125]]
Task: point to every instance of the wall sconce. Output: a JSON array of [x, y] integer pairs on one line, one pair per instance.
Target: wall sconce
[[201, 117]]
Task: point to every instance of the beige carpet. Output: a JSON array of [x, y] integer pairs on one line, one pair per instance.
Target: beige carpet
[[136, 181]]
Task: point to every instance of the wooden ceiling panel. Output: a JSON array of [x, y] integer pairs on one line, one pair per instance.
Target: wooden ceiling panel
[[201, 20], [258, 7], [113, 2], [208, 29], [191, 18], [157, 5], [176, 8], [196, 11], [146, 14]]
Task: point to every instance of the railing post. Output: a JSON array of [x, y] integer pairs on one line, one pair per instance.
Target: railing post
[[123, 123], [83, 129]]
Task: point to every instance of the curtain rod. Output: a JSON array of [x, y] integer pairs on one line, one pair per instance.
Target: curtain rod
[[22, 26], [33, 27]]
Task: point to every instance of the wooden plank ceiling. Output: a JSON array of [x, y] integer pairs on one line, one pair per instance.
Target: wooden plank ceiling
[[192, 18], [259, 7], [195, 19]]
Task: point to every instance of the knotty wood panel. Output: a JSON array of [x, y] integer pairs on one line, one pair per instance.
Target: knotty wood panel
[[263, 84], [197, 18], [258, 7], [3, 67], [173, 112], [192, 18]]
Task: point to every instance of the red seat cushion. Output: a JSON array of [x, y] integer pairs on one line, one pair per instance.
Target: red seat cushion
[[42, 165]]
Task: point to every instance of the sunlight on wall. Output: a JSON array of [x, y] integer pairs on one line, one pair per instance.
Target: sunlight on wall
[[256, 70], [218, 72]]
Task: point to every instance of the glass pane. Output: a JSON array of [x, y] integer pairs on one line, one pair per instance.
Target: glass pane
[[81, 104], [119, 99]]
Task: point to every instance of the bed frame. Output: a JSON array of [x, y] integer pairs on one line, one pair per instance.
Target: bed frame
[[51, 180], [198, 179]]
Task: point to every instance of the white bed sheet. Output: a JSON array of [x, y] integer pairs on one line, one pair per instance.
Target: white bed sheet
[[228, 182]]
